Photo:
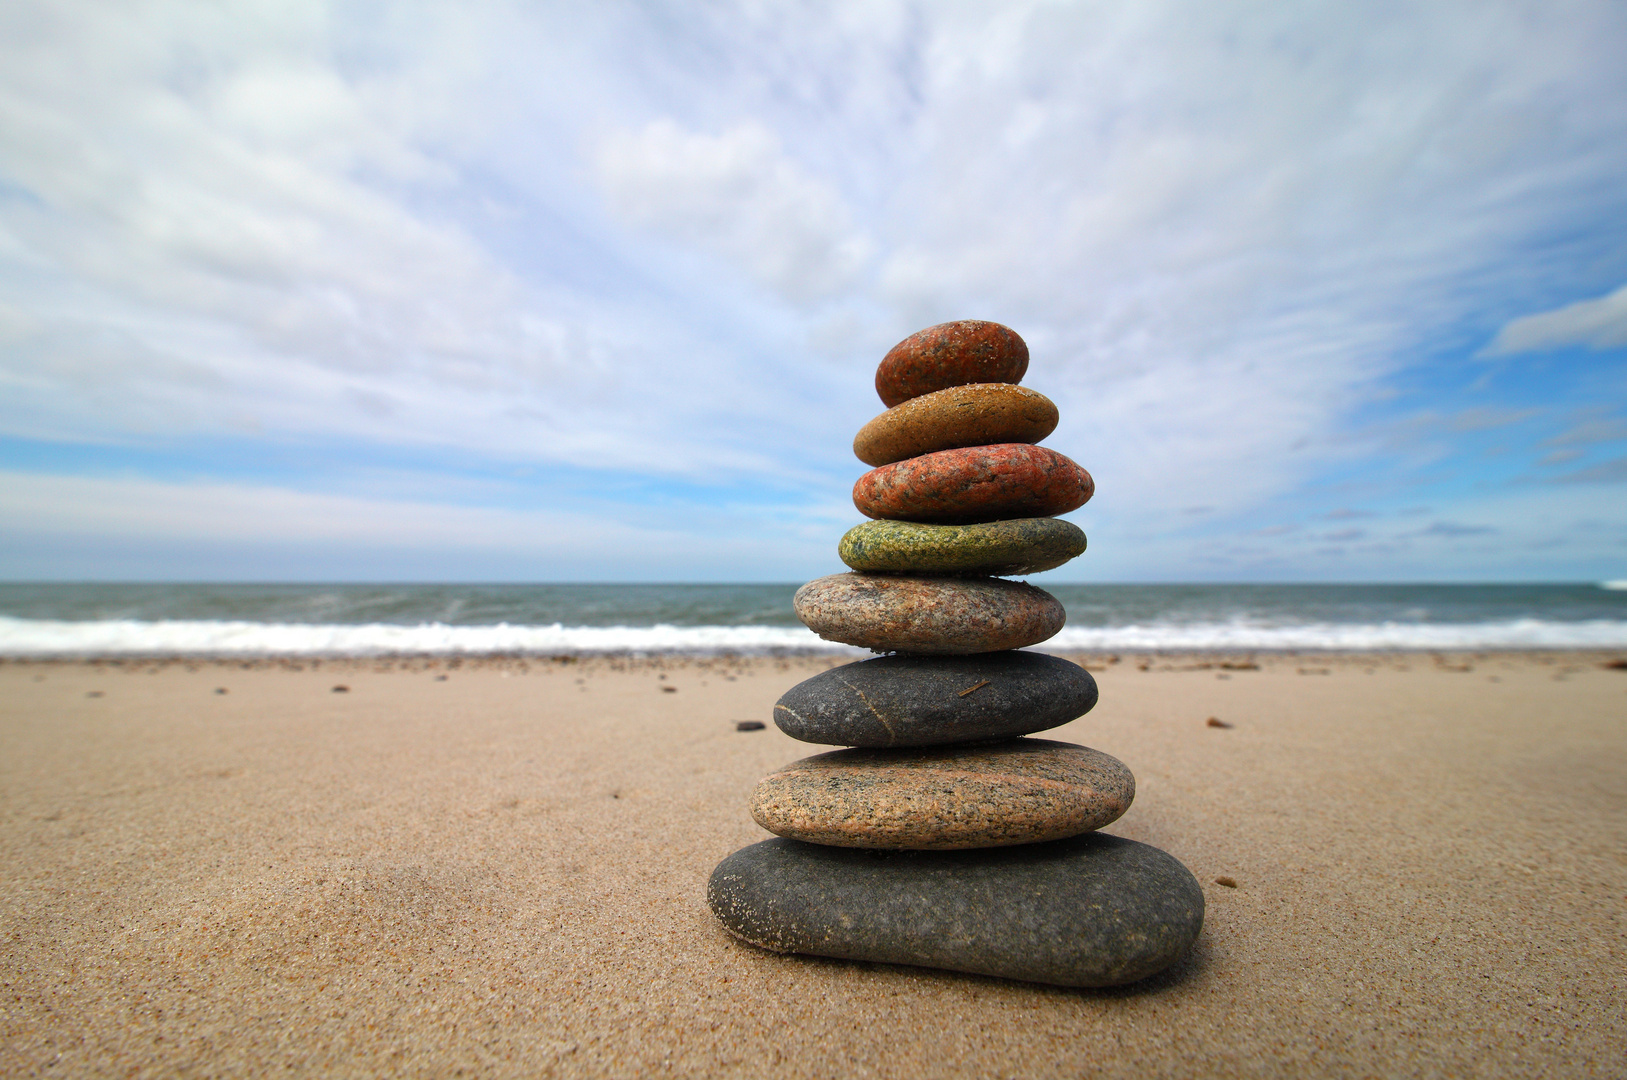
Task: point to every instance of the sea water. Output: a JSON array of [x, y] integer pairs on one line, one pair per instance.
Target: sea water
[[111, 620]]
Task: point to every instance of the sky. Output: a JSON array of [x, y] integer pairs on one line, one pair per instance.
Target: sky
[[595, 291]]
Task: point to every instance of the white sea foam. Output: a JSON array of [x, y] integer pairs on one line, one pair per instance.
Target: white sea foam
[[110, 638], [45, 638], [1348, 637]]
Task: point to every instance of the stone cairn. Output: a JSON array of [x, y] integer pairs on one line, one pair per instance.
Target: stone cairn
[[941, 837]]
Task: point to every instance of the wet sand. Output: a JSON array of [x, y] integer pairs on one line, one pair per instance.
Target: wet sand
[[503, 871]]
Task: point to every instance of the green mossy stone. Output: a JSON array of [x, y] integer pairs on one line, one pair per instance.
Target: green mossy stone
[[1019, 546]]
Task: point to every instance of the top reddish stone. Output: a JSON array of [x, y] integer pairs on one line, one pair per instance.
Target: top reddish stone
[[951, 354]]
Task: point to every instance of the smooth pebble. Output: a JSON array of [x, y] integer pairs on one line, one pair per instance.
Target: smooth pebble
[[1092, 910], [974, 484], [980, 414], [933, 700], [1019, 546], [945, 798], [951, 354], [893, 613]]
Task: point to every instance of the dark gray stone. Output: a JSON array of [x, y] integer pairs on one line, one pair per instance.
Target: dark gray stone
[[924, 700], [1093, 910]]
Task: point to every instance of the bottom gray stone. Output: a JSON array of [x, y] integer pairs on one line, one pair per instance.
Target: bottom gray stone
[[1093, 910]]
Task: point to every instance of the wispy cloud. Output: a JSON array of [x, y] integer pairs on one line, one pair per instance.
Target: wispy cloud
[[671, 242], [1590, 430], [1454, 529], [1608, 472], [1596, 324], [738, 194], [238, 523]]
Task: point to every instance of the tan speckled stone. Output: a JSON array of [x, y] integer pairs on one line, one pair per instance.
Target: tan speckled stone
[[976, 415], [995, 795], [943, 616]]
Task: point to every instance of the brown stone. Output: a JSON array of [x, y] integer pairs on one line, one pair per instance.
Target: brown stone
[[951, 354], [1020, 792], [976, 415], [975, 483], [935, 616]]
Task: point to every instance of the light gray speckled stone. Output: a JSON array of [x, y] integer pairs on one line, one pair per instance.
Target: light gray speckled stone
[[944, 616]]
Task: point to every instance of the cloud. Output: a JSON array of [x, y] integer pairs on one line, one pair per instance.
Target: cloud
[[660, 246], [736, 193], [228, 232], [276, 242], [1453, 529], [238, 512], [1596, 324], [1429, 424], [1591, 430], [1559, 457], [1525, 532], [47, 519], [1608, 472]]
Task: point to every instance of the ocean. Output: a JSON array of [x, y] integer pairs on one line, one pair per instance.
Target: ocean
[[157, 620]]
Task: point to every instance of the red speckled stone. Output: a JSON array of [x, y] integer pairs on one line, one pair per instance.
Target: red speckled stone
[[951, 354], [976, 483]]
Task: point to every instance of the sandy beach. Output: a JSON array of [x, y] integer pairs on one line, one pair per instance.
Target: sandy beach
[[497, 868]]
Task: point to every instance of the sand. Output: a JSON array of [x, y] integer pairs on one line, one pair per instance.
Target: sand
[[502, 874]]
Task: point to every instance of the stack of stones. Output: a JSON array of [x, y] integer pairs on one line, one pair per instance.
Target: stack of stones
[[942, 838]]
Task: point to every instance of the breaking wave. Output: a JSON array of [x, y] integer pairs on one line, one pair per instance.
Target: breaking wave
[[1241, 635], [52, 638]]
